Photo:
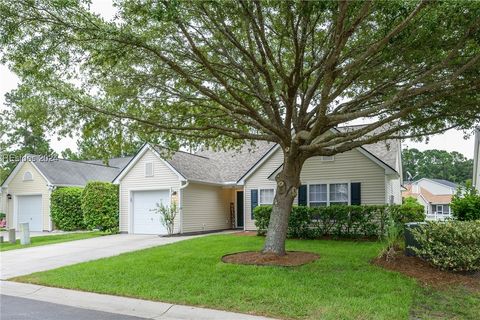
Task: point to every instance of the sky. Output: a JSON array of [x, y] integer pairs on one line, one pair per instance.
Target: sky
[[452, 140]]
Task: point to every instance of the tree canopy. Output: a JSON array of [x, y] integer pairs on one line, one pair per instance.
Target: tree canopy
[[220, 72], [436, 164]]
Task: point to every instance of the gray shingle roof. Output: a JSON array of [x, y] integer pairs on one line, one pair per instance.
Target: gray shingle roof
[[386, 151], [216, 166], [78, 173], [446, 183]]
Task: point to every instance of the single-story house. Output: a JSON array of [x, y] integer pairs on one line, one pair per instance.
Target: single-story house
[[219, 190], [434, 194], [476, 160], [214, 190], [26, 191]]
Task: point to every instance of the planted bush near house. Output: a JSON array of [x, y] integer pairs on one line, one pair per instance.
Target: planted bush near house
[[340, 220], [466, 204], [100, 206], [451, 245], [66, 208], [410, 211]]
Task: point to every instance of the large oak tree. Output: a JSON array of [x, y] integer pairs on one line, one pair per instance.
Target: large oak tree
[[222, 72]]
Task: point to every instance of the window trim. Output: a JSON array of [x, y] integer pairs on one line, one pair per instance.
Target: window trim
[[328, 183], [259, 197], [30, 178], [153, 170]]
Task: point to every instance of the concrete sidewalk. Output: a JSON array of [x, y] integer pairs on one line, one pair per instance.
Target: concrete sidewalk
[[21, 262], [119, 305]]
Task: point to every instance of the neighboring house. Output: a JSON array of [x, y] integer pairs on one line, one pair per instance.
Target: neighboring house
[[26, 191], [434, 194], [476, 160], [219, 190]]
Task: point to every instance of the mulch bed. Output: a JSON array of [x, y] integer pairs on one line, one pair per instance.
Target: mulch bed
[[291, 259], [427, 274]]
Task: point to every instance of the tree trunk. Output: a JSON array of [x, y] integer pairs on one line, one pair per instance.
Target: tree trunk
[[288, 182]]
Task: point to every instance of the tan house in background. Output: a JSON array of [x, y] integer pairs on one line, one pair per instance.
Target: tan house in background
[[434, 194]]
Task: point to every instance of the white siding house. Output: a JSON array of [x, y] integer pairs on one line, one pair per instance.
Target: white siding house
[[476, 160]]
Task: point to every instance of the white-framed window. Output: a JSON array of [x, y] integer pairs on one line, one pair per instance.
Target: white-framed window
[[441, 209], [325, 194], [149, 169], [318, 195], [327, 158], [266, 196], [27, 176], [338, 193]]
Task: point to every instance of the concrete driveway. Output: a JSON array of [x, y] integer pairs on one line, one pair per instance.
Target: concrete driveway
[[20, 262]]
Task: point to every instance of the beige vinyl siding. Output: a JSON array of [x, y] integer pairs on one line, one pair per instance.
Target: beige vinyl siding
[[135, 179], [205, 208], [351, 166], [18, 187], [259, 180], [393, 188]]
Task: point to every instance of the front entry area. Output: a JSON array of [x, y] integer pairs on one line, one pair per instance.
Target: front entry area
[[146, 221], [240, 209], [29, 210]]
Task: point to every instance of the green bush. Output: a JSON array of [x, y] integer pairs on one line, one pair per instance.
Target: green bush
[[2, 215], [66, 208], [100, 206], [409, 211], [339, 220], [466, 204], [451, 245]]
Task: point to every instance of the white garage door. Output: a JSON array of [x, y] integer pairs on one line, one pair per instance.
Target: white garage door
[[30, 210], [145, 221]]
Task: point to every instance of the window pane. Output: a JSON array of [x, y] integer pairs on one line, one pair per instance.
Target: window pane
[[266, 196], [339, 192], [318, 193], [318, 204]]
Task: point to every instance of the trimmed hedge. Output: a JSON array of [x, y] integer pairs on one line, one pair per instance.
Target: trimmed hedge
[[339, 221], [451, 245], [100, 206], [66, 208]]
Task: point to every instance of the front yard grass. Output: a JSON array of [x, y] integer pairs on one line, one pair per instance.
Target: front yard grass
[[43, 240], [342, 284]]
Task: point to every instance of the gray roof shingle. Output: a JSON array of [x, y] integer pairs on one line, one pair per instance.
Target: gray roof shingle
[[216, 166], [64, 172], [446, 183]]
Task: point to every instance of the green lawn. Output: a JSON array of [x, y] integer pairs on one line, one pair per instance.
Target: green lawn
[[43, 240], [342, 284]]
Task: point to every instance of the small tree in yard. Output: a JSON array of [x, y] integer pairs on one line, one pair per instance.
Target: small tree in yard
[[466, 203], [167, 216], [288, 72]]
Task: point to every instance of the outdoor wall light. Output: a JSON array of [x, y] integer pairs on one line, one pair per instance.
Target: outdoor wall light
[[9, 196]]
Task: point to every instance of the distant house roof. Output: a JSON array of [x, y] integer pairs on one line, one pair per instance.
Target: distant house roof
[[114, 162], [216, 166], [428, 196], [62, 172], [446, 183]]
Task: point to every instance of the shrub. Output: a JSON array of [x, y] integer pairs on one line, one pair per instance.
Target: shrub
[[167, 215], [66, 208], [466, 204], [100, 206], [339, 220], [451, 245], [409, 211]]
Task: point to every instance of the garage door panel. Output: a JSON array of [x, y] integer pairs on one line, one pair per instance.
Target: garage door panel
[[145, 220], [29, 210]]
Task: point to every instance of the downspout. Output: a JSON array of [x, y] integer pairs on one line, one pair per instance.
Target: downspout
[[180, 193]]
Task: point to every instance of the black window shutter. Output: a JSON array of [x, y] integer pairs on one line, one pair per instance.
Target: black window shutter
[[302, 195], [355, 193], [253, 199]]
